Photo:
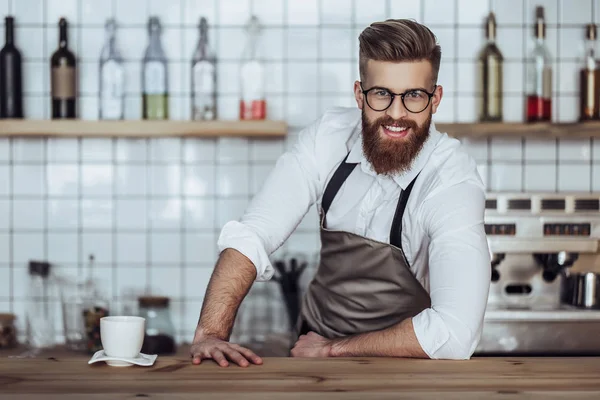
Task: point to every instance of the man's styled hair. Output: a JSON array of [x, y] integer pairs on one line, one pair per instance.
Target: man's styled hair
[[398, 40]]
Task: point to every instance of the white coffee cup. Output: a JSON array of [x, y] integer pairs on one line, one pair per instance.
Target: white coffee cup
[[122, 336]]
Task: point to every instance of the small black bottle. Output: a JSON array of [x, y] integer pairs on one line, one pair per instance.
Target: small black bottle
[[11, 83], [63, 77]]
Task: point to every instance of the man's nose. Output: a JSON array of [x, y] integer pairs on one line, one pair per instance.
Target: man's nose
[[397, 109]]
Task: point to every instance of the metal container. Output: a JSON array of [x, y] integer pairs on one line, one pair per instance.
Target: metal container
[[581, 290]]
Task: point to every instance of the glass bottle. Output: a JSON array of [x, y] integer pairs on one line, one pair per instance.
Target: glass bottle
[[155, 89], [112, 77], [63, 77], [253, 105], [539, 75], [589, 79], [159, 337], [204, 78], [490, 70], [11, 80]]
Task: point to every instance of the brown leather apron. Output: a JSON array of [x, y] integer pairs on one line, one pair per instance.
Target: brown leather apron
[[361, 285]]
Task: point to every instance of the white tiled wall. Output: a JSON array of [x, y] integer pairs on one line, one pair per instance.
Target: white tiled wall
[[150, 210]]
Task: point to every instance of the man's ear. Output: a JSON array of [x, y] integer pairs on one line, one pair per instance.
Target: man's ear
[[437, 98], [358, 95]]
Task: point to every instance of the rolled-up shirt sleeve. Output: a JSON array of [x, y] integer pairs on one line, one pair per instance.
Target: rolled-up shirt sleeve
[[280, 205], [459, 273]]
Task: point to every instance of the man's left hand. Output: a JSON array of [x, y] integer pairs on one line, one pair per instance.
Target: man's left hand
[[311, 345]]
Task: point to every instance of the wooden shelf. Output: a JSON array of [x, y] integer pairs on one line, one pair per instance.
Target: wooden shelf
[[584, 130], [145, 128]]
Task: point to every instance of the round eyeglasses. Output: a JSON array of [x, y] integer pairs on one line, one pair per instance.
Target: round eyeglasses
[[414, 100]]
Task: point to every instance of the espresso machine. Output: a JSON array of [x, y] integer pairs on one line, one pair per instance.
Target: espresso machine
[[545, 260]]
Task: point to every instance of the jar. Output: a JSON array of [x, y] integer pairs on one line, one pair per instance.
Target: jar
[[160, 332], [8, 332]]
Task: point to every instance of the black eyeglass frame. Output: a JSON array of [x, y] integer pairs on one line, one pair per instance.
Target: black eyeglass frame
[[393, 96]]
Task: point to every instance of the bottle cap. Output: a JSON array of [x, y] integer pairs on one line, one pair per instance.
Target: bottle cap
[[591, 32], [490, 31]]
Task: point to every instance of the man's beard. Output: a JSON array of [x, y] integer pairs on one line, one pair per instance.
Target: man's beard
[[386, 154]]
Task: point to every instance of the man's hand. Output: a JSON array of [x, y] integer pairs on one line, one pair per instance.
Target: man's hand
[[311, 345], [221, 351]]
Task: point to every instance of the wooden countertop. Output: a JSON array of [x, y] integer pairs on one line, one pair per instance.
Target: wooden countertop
[[68, 376]]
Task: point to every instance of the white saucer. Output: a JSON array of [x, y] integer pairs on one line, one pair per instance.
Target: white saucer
[[144, 360]]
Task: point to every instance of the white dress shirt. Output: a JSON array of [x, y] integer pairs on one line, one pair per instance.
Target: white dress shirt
[[443, 234]]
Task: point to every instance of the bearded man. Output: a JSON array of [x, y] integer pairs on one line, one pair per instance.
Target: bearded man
[[404, 266]]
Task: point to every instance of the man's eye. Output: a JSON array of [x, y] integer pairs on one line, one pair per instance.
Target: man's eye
[[382, 93]]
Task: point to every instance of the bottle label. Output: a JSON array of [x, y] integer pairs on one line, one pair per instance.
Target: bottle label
[[155, 78], [111, 96], [63, 82], [203, 90], [547, 83]]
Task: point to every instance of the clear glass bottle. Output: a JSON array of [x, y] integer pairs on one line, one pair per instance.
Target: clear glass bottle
[[112, 77], [490, 70], [155, 88], [253, 105], [160, 332], [40, 317], [204, 78], [539, 75], [589, 79]]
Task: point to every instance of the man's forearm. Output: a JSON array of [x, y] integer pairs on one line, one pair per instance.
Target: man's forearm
[[230, 282], [396, 341]]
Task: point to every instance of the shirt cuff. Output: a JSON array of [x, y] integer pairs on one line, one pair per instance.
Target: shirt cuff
[[431, 331], [238, 236]]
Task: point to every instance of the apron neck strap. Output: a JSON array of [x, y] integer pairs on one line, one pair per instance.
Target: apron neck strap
[[336, 182]]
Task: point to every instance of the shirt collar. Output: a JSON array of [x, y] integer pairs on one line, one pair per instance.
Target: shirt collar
[[357, 156]]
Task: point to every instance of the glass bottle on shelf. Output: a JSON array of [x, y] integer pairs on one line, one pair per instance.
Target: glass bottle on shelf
[[204, 78], [112, 77], [253, 105], [63, 77], [539, 75], [155, 88], [490, 75], [589, 79], [11, 80]]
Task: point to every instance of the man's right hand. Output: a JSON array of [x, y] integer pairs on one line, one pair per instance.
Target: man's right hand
[[222, 352]]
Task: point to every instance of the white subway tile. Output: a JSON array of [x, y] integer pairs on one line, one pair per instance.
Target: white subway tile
[[28, 214], [5, 149], [506, 149], [445, 112], [185, 104], [92, 41], [165, 180], [327, 102], [232, 180], [34, 107], [170, 12], [132, 11], [33, 79], [336, 44], [306, 243], [5, 215], [28, 150], [97, 180], [96, 12], [271, 44], [574, 150], [133, 108], [303, 12], [133, 43], [439, 12], [477, 148], [513, 108], [96, 149], [572, 41], [576, 11], [513, 77], [270, 12], [5, 284], [540, 177], [232, 150], [446, 38], [467, 109], [63, 214], [302, 43], [569, 77], [165, 248], [483, 171], [311, 221], [172, 42], [568, 109], [88, 108], [506, 177], [550, 11], [28, 11], [131, 150], [104, 276], [166, 281], [228, 108], [131, 249], [28, 180], [275, 82], [56, 9], [472, 12], [234, 12], [232, 44], [131, 281], [165, 213], [508, 11], [302, 77], [540, 150], [468, 74], [447, 79], [196, 282], [200, 248], [4, 248], [199, 150], [265, 150], [131, 214], [100, 245], [199, 213], [199, 180], [595, 178], [574, 178], [369, 11], [275, 107], [228, 79], [335, 77], [470, 42], [230, 210], [302, 110], [62, 180], [595, 149], [27, 246], [410, 9], [5, 186], [165, 149], [195, 9], [63, 248], [336, 12], [191, 36], [97, 214], [131, 180], [510, 42]]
